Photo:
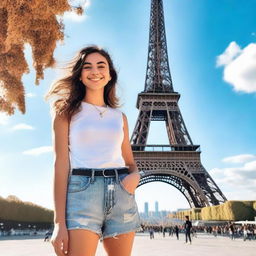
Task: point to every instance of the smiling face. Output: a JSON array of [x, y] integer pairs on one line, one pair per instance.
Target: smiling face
[[95, 73]]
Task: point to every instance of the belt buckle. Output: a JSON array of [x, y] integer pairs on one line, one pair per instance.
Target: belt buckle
[[106, 176]]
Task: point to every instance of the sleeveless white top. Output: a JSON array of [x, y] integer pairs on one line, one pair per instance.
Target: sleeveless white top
[[95, 142]]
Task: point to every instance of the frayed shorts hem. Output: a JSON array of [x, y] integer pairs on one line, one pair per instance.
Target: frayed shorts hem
[[120, 233], [101, 237], [92, 230]]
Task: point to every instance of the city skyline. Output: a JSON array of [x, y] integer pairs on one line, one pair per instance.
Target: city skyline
[[147, 209]]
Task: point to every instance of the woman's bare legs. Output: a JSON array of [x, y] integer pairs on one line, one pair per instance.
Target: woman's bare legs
[[82, 242], [119, 245]]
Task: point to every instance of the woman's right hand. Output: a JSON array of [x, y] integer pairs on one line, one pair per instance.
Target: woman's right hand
[[59, 239], [131, 181]]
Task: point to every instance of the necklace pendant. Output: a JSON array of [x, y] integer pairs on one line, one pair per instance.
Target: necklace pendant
[[101, 115]]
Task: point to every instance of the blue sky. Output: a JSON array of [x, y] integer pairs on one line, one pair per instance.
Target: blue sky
[[212, 57]]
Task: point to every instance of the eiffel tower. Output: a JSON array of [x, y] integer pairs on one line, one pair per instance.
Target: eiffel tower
[[177, 163]]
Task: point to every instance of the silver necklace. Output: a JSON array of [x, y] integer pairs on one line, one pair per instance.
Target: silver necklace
[[101, 112]]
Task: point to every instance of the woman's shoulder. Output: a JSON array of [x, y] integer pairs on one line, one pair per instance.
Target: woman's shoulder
[[117, 110], [60, 123], [120, 113]]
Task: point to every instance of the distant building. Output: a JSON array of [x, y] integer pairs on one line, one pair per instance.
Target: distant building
[[156, 209], [146, 209], [156, 216]]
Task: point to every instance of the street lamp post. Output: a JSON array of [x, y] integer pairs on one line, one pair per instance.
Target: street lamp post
[[2, 228], [19, 228]]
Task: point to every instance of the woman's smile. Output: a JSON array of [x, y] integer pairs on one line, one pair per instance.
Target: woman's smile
[[95, 79]]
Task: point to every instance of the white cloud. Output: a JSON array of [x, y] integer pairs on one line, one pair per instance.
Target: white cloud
[[241, 178], [22, 127], [4, 119], [250, 166], [239, 158], [38, 151], [30, 95], [239, 67], [232, 51], [72, 15], [240, 195], [83, 3], [216, 171]]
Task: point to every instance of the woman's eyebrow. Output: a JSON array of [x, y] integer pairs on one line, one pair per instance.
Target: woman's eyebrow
[[100, 62]]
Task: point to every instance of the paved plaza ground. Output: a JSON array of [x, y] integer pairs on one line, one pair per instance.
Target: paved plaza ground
[[202, 245]]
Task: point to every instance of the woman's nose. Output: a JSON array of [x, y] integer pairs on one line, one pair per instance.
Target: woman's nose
[[94, 70]]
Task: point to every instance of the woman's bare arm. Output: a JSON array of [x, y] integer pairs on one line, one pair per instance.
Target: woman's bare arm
[[60, 128], [132, 180], [126, 148]]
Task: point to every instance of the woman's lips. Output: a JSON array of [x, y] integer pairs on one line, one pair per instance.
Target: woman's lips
[[95, 79]]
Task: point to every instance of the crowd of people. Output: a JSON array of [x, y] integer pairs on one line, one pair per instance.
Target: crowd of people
[[234, 231], [171, 230], [246, 232]]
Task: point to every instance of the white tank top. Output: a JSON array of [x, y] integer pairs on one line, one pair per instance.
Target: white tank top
[[95, 142]]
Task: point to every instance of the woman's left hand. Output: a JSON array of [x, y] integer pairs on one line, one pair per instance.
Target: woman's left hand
[[131, 181]]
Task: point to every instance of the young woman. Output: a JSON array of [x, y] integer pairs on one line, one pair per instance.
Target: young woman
[[95, 175]]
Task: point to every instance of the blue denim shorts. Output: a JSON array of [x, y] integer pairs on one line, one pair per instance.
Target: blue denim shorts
[[102, 205]]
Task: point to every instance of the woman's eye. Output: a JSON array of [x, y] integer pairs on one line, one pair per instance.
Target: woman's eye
[[90, 67]]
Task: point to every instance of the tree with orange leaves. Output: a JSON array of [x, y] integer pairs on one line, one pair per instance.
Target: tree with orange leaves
[[33, 22]]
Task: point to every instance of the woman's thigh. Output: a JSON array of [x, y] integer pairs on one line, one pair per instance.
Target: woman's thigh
[[119, 245], [82, 242]]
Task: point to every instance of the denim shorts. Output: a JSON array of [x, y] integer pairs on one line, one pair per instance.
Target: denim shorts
[[102, 205]]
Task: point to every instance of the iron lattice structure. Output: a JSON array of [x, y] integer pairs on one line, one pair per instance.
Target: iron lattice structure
[[177, 163]]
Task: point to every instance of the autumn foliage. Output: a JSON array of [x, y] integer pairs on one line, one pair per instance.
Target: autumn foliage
[[31, 22]]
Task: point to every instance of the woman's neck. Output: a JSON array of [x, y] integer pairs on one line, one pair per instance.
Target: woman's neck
[[98, 101]]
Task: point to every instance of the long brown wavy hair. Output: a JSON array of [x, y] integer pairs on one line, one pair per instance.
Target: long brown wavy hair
[[70, 91]]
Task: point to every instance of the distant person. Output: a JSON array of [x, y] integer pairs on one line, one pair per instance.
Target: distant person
[[232, 231], [151, 233], [47, 236], [171, 231], [214, 231], [163, 232], [187, 227], [193, 231], [245, 232], [176, 229]]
